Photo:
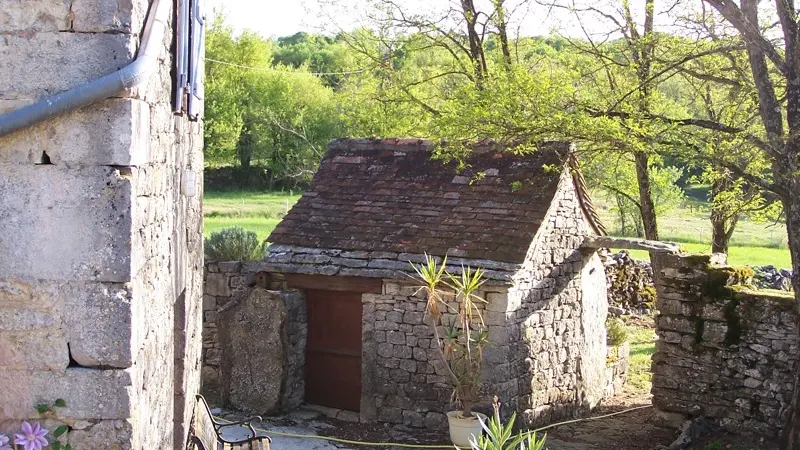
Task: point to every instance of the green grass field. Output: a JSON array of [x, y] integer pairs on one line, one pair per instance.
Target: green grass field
[[643, 345], [254, 211], [752, 243]]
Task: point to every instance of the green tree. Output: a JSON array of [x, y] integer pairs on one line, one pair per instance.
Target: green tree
[[228, 87]]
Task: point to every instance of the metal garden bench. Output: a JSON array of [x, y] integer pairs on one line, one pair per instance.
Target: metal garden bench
[[205, 432]]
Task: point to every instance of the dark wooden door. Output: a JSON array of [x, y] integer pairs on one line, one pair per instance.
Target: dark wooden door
[[333, 349]]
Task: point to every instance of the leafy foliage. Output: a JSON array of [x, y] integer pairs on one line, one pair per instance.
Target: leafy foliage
[[234, 244], [49, 411]]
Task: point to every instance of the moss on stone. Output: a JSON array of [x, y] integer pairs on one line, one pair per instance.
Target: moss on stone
[[697, 260], [783, 299], [724, 282]]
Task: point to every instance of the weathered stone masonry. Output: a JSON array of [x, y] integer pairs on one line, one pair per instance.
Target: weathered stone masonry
[[723, 353], [100, 253]]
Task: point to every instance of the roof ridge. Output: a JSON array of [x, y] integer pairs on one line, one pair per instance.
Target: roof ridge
[[408, 144]]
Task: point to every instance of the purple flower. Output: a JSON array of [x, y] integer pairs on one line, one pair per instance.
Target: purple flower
[[32, 437], [4, 442]]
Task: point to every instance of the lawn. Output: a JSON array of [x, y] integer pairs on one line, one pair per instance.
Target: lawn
[[643, 345], [752, 243], [255, 211], [737, 256]]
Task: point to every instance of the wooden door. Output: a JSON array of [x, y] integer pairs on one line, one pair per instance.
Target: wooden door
[[333, 349]]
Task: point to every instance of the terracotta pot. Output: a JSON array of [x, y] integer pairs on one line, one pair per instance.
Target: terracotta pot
[[462, 429]]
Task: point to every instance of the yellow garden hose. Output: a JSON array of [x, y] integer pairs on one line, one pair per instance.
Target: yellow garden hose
[[397, 444]]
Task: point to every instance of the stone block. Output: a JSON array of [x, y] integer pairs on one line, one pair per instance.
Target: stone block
[[304, 258], [114, 132], [678, 324], [27, 306], [714, 332], [34, 16], [252, 335], [209, 303], [89, 393], [497, 301], [67, 224], [111, 434], [33, 350], [348, 262], [217, 285], [98, 321], [388, 264], [57, 56], [396, 338], [103, 16]]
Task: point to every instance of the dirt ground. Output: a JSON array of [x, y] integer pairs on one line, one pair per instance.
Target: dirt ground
[[635, 430]]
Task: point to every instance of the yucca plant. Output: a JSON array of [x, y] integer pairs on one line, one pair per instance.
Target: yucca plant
[[460, 344], [497, 436]]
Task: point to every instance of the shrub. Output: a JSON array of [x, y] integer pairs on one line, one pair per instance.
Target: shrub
[[616, 331], [234, 244]]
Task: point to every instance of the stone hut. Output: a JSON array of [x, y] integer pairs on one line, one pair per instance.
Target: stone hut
[[376, 205]]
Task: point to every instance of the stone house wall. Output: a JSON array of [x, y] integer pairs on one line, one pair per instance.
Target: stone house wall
[[101, 267], [723, 353], [224, 282], [550, 326]]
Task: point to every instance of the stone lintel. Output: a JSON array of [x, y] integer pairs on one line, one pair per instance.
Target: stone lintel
[[292, 259], [597, 242]]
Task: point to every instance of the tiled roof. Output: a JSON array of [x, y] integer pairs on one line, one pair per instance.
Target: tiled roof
[[389, 195]]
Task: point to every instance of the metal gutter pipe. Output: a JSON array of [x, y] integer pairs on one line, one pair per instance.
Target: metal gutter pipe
[[129, 77]]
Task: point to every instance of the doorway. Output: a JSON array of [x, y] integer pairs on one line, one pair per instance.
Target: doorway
[[333, 349]]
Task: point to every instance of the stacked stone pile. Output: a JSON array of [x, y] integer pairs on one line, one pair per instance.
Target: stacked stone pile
[[769, 277], [630, 284]]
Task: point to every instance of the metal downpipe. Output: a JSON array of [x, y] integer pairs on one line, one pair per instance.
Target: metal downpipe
[[131, 76]]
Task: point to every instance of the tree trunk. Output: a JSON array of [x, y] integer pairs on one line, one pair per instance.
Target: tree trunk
[[244, 149], [245, 156], [646, 196], [791, 434], [621, 206], [721, 230], [500, 14], [475, 41]]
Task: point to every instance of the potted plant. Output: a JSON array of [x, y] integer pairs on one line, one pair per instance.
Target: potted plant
[[460, 337]]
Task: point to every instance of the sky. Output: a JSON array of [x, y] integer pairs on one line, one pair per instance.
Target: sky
[[275, 18]]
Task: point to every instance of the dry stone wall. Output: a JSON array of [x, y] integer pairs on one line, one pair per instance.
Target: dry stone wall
[[550, 327], [722, 352], [405, 379], [100, 274]]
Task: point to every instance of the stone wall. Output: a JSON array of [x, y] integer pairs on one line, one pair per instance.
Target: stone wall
[[617, 364], [404, 378], [100, 274], [722, 352]]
